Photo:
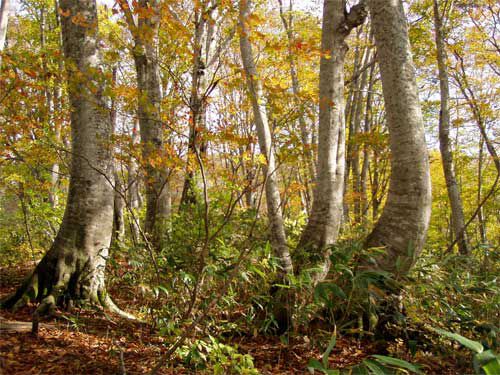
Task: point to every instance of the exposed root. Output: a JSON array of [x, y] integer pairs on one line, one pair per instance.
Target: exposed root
[[46, 308], [107, 303], [27, 292]]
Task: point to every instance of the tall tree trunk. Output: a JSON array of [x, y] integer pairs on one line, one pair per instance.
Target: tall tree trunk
[[296, 89], [145, 34], [133, 198], [457, 211], [278, 237], [4, 21], [281, 298], [350, 109], [197, 109], [73, 268], [119, 206], [480, 215], [356, 173], [402, 227], [366, 150], [326, 215]]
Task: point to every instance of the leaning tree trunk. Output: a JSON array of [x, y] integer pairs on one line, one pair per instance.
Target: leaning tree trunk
[[457, 212], [73, 268], [326, 215], [278, 238], [402, 226], [281, 298]]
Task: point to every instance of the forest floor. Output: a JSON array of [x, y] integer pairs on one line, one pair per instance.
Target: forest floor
[[93, 343]]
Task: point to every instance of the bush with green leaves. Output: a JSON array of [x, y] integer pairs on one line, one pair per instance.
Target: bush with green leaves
[[374, 365], [215, 357], [485, 362]]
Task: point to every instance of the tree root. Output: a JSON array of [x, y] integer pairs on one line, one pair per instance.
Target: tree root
[[108, 304], [29, 292]]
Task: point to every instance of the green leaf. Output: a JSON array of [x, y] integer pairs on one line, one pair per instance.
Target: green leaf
[[472, 345], [315, 365], [360, 370], [322, 290], [492, 367], [374, 367], [398, 363], [485, 357], [331, 345]]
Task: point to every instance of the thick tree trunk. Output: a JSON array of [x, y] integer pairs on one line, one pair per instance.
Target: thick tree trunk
[[326, 215], [278, 238], [457, 212], [73, 268], [402, 227]]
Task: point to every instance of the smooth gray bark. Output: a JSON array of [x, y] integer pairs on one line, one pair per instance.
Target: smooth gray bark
[[402, 226], [457, 212], [4, 21], [133, 198], [145, 34], [324, 222], [255, 92], [197, 104], [73, 268]]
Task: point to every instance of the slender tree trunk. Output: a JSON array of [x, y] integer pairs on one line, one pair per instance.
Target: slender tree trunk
[[278, 237], [4, 21], [366, 150], [350, 109], [457, 211], [145, 33], [480, 215], [197, 111], [356, 173], [281, 298], [326, 215], [205, 29], [119, 206], [296, 89], [133, 199], [402, 227], [119, 202], [56, 120], [73, 268]]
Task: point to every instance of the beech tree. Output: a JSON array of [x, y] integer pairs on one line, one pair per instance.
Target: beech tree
[[73, 268], [144, 30], [457, 211], [4, 20], [255, 92], [326, 215], [402, 227]]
